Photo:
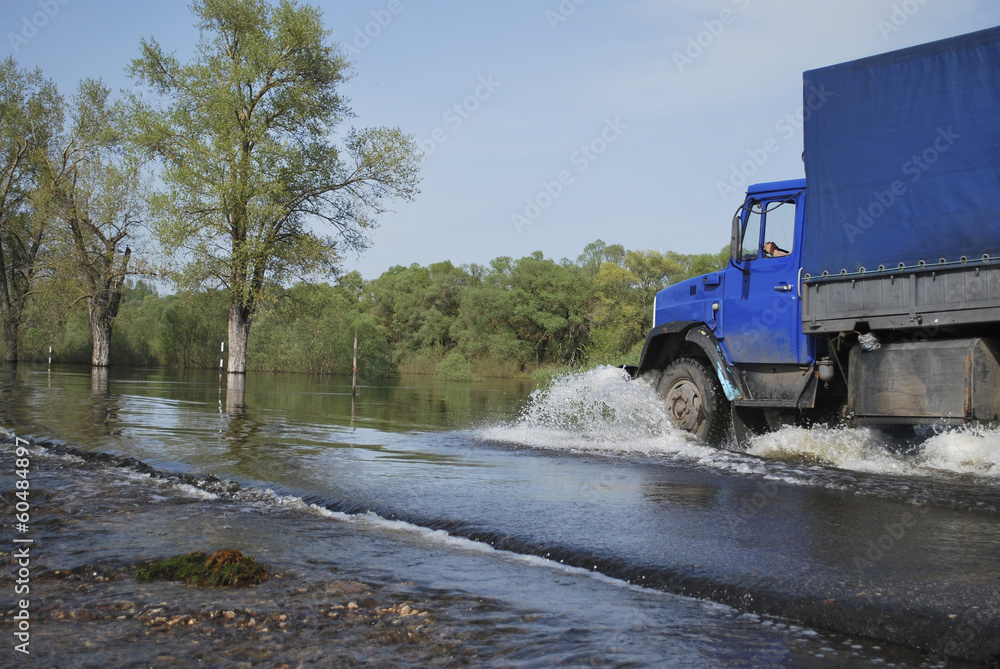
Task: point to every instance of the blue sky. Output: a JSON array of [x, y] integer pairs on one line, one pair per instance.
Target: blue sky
[[548, 124]]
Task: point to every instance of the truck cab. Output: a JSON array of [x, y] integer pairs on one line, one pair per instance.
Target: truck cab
[[731, 341]]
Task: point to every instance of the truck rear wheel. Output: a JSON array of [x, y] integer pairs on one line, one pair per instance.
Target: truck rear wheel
[[694, 399]]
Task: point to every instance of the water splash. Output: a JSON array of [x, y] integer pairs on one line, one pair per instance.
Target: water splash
[[965, 451], [602, 410], [969, 450], [596, 410], [856, 449], [599, 403]]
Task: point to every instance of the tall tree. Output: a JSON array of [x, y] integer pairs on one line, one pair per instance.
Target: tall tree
[[95, 186], [702, 263], [30, 116], [596, 253], [244, 132]]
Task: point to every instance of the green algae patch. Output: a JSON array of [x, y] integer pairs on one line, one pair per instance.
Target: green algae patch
[[224, 568]]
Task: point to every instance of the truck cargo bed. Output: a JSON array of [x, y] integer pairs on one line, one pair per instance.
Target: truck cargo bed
[[928, 299]]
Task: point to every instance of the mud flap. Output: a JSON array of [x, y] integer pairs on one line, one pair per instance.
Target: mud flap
[[747, 423]]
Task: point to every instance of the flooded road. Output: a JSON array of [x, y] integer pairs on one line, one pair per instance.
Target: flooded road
[[575, 511]]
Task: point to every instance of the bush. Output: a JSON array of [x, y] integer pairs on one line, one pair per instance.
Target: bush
[[455, 367], [544, 376]]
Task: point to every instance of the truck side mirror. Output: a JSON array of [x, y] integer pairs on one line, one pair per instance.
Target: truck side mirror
[[736, 241]]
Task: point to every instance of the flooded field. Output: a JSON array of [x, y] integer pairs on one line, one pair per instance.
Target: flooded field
[[481, 525]]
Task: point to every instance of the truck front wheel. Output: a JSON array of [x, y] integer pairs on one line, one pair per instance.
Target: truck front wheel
[[694, 399]]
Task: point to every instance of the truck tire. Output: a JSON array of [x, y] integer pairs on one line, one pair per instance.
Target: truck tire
[[694, 400]]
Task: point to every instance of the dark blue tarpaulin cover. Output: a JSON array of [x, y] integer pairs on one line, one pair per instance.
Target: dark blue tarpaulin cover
[[902, 156]]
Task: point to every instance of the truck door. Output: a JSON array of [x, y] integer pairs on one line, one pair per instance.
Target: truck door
[[760, 311]]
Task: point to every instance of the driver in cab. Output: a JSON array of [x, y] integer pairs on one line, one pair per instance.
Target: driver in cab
[[772, 250]]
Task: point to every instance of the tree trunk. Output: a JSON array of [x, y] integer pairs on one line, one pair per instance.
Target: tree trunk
[[100, 329], [7, 315], [239, 332], [104, 305], [10, 328], [103, 313]]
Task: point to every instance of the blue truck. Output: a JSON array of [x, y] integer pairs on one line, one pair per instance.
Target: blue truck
[[868, 292]]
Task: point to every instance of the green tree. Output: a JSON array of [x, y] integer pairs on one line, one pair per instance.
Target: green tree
[[190, 323], [653, 272], [442, 300], [398, 297], [486, 327], [597, 253], [310, 328], [244, 133], [624, 290], [702, 263], [135, 340], [550, 311], [95, 186], [30, 116], [617, 313]]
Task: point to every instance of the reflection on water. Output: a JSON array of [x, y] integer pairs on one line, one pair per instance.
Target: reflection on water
[[113, 409], [681, 494], [236, 391], [99, 381], [103, 416]]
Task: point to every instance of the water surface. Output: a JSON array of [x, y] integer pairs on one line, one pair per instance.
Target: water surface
[[813, 538]]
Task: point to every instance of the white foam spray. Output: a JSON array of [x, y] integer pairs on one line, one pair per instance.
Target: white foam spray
[[973, 451], [596, 410], [602, 410]]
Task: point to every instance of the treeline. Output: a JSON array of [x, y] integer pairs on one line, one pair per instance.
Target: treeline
[[227, 176], [511, 317]]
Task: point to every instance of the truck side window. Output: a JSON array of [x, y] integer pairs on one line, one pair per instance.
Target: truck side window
[[779, 227], [750, 243]]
